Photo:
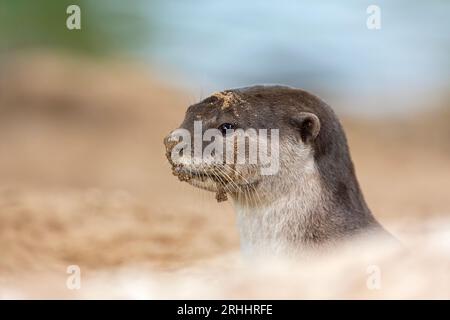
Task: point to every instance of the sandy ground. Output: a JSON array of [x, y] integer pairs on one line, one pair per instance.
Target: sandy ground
[[84, 181]]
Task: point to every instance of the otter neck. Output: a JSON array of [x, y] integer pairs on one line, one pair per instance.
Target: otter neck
[[282, 222]]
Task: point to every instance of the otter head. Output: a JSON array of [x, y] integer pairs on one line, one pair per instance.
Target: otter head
[[247, 141]]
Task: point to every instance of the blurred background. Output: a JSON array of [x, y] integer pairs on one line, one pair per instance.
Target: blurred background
[[83, 176]]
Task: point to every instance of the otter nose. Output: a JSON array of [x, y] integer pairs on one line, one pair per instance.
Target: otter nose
[[170, 141], [166, 140]]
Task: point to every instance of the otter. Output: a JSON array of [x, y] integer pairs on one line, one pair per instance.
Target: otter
[[313, 200]]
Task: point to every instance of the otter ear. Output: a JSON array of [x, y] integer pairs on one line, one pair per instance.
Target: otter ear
[[308, 125]]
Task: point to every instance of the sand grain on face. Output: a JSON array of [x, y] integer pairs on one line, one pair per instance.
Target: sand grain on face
[[228, 99], [221, 195]]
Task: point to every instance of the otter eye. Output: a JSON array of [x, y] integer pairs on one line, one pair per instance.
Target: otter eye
[[225, 127]]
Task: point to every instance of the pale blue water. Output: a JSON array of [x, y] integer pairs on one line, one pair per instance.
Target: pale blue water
[[323, 46]]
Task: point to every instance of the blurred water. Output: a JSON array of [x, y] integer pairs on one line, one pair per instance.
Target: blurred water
[[323, 46]]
